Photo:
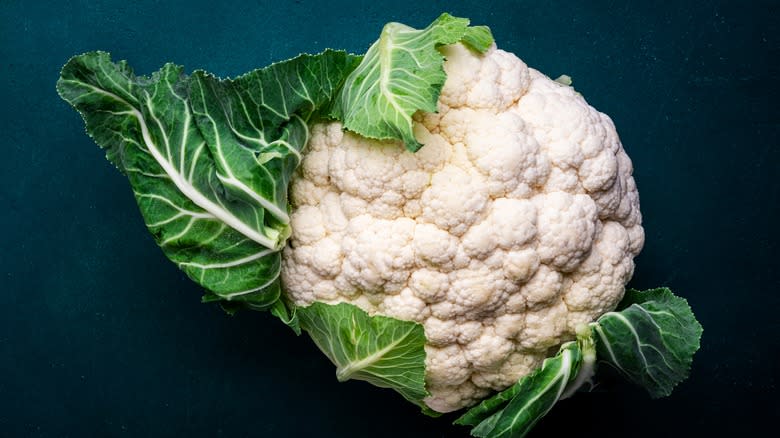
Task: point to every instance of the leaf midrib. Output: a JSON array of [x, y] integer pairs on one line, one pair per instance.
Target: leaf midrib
[[344, 373], [186, 188], [385, 49]]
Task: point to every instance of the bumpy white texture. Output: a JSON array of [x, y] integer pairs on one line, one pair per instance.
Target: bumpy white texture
[[516, 222]]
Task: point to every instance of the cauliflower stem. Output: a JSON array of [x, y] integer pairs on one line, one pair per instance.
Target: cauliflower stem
[[587, 345]]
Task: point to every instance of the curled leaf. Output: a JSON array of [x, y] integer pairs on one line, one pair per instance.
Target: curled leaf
[[651, 341], [402, 73]]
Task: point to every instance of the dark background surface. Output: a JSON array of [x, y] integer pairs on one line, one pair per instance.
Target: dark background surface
[[101, 336]]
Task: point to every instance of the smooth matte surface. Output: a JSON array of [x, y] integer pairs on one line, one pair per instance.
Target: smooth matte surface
[[101, 336]]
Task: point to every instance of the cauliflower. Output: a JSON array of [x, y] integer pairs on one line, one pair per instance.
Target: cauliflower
[[517, 222], [458, 231]]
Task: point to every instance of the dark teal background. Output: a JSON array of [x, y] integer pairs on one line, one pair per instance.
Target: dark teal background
[[101, 336]]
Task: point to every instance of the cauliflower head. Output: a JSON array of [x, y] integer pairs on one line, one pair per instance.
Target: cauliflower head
[[516, 222]]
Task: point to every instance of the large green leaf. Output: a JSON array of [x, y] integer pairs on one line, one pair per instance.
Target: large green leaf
[[401, 73], [208, 159], [256, 125], [651, 341], [383, 351], [583, 357], [528, 400]]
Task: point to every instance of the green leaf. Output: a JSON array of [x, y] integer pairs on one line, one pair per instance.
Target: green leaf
[[287, 314], [383, 351], [513, 412], [401, 73], [651, 341], [478, 38], [209, 173], [256, 125]]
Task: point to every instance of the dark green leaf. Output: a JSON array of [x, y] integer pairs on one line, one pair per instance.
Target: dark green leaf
[[256, 125], [209, 173], [287, 314], [528, 400], [651, 341]]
